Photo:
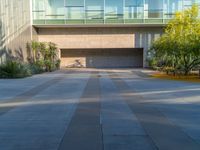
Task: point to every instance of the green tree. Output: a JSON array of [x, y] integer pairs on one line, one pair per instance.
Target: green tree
[[179, 47], [53, 52], [35, 47], [45, 56]]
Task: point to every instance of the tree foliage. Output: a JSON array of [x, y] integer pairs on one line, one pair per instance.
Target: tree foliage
[[178, 49], [45, 56]]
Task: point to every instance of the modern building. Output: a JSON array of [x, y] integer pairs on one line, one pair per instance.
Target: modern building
[[89, 33]]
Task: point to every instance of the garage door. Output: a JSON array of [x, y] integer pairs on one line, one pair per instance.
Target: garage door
[[102, 58]]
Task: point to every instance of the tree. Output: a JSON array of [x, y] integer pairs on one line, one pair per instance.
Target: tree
[[179, 47], [35, 47], [53, 51], [45, 56]]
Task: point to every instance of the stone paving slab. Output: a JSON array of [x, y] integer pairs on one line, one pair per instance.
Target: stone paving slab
[[84, 131], [40, 123], [128, 142], [9, 104], [163, 132], [178, 101], [121, 129], [10, 88]]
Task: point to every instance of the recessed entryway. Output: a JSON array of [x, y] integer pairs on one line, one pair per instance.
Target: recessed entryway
[[102, 58]]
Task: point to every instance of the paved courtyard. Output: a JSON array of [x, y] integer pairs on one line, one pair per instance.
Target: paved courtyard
[[88, 109]]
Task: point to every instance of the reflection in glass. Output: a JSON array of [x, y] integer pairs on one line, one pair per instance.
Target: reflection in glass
[[74, 9], [171, 7], [108, 11], [94, 9], [114, 9], [134, 9], [54, 9], [74, 3], [154, 8], [38, 9]]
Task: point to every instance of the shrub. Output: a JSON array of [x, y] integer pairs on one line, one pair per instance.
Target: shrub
[[14, 69], [37, 67], [45, 57], [57, 64], [152, 63]]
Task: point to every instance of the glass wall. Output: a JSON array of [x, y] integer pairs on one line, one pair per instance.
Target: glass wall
[[154, 8], [171, 6], [54, 9], [39, 10], [94, 11], [74, 11], [107, 11], [114, 11], [134, 10]]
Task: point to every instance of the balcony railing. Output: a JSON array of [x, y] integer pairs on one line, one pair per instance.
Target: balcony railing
[[98, 21]]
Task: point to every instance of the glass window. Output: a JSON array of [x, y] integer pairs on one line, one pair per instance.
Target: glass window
[[134, 3], [154, 8], [196, 2], [55, 9], [187, 4], [75, 13], [114, 9], [38, 15], [75, 9], [38, 5], [74, 3], [94, 9], [171, 7], [38, 9], [134, 9]]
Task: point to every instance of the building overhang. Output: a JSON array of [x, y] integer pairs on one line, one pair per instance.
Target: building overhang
[[97, 25]]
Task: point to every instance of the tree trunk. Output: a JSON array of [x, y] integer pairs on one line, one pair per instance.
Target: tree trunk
[[174, 73], [186, 72]]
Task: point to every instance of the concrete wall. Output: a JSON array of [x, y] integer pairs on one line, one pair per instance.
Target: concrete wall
[[34, 34], [15, 29], [101, 37]]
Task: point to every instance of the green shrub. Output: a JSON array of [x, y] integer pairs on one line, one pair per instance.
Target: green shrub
[[152, 63], [48, 65], [37, 67], [45, 57], [57, 64], [14, 69], [169, 70]]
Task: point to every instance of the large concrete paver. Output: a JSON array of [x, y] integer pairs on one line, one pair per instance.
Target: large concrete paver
[[39, 123], [84, 131], [121, 128], [178, 101], [10, 88], [166, 133], [127, 142]]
